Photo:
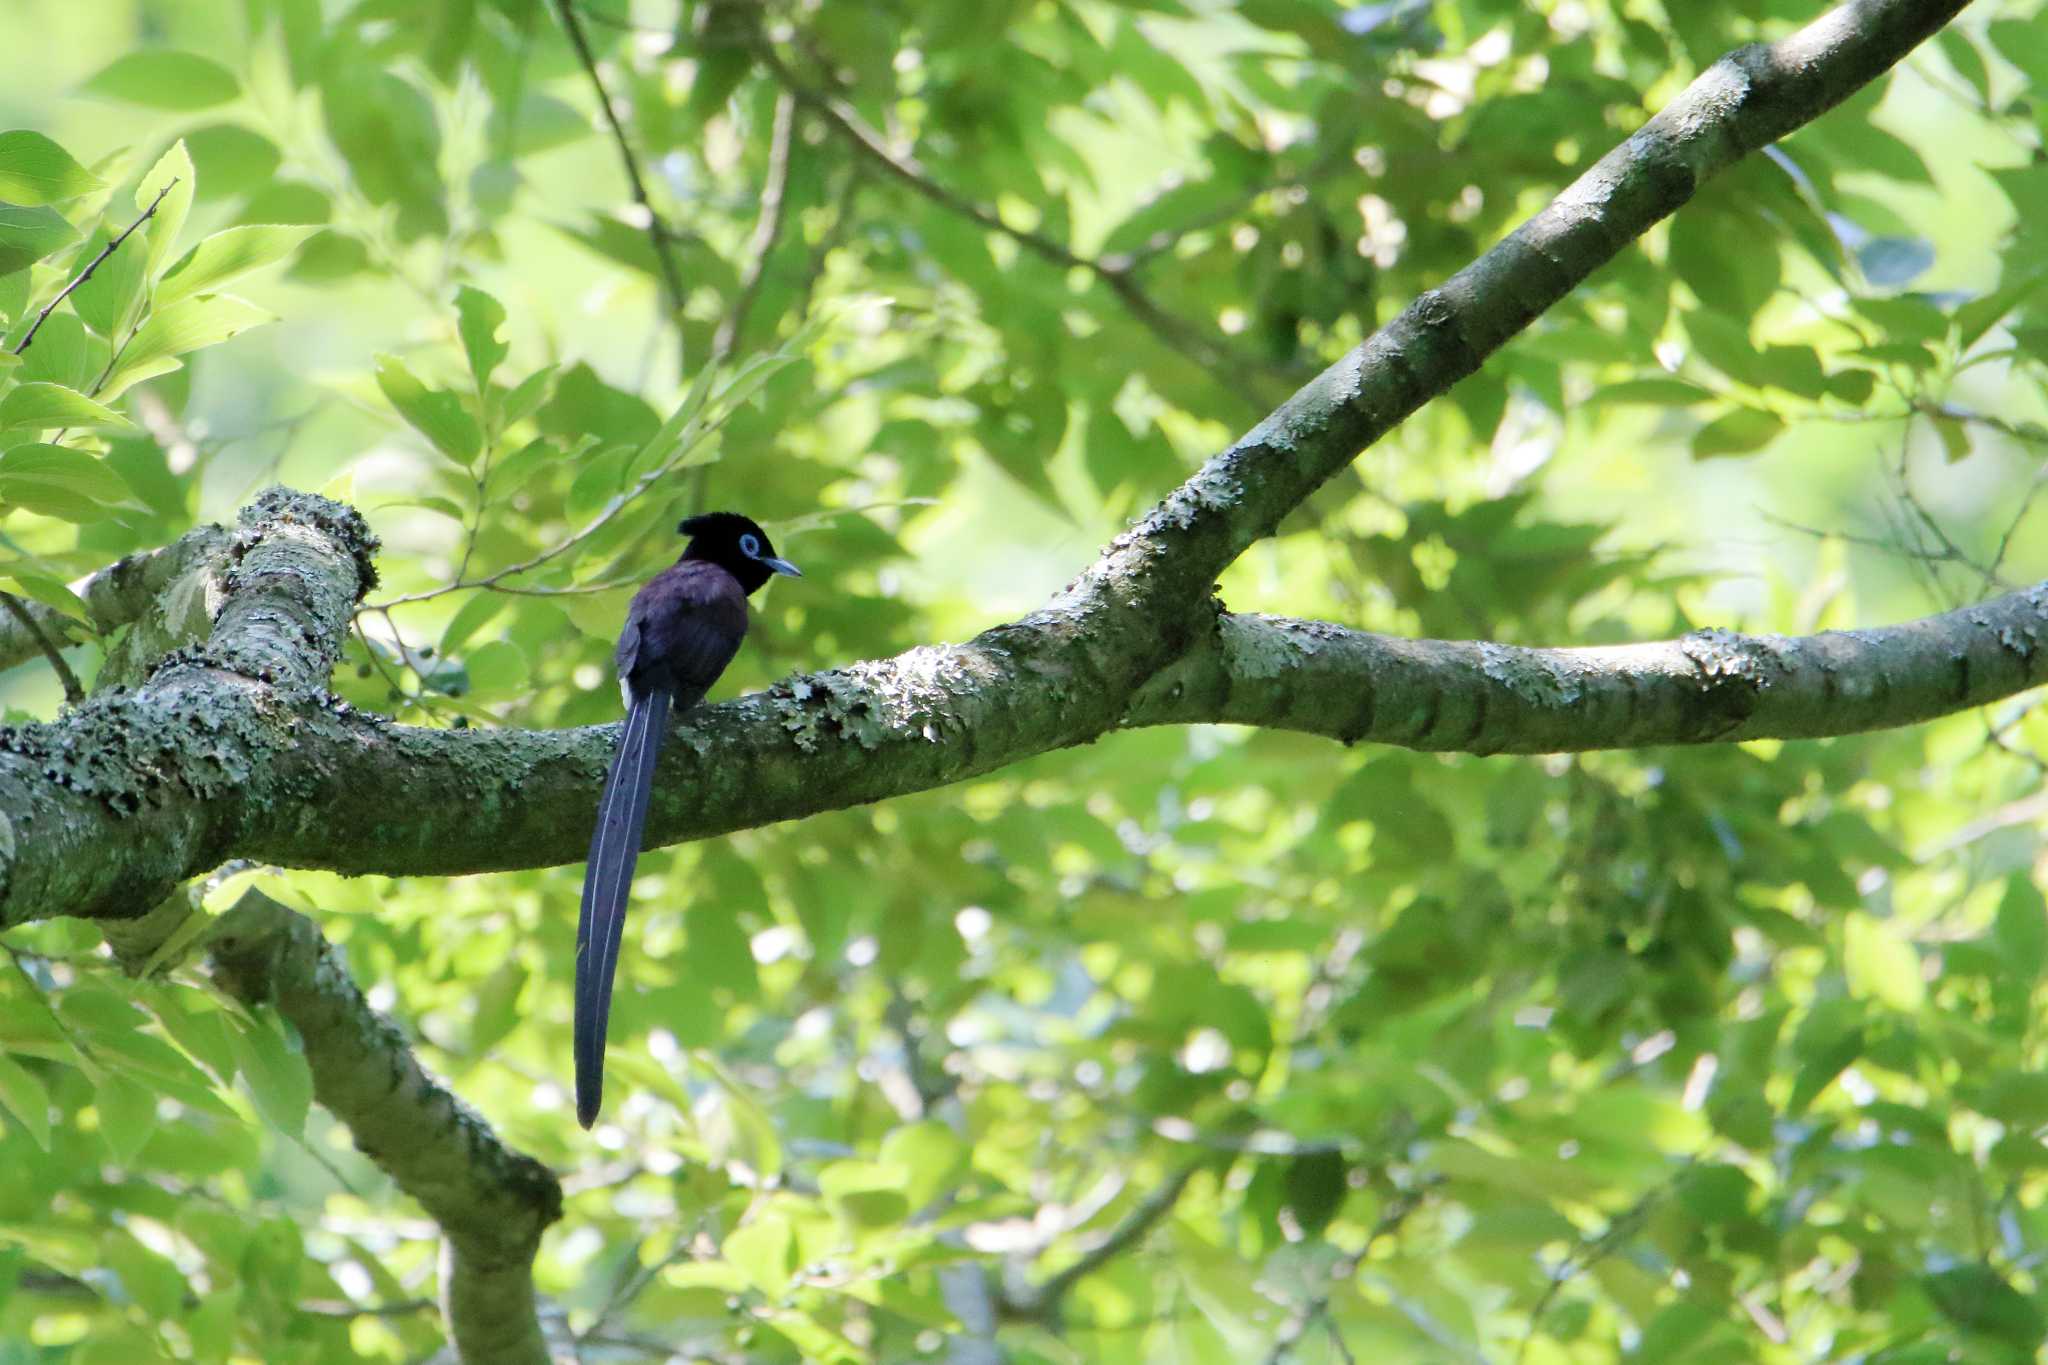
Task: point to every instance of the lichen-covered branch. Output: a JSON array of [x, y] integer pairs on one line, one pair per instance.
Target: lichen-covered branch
[[122, 592], [105, 811], [491, 1202], [1713, 686], [236, 749], [934, 716], [1748, 99]]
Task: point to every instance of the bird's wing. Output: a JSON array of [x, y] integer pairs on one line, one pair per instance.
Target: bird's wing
[[689, 622]]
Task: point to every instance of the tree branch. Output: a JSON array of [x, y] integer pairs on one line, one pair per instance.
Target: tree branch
[[29, 626], [1177, 333], [236, 749], [491, 1202], [1712, 686], [1745, 101], [116, 595], [92, 265]]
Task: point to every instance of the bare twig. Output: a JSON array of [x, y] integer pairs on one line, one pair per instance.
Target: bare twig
[[1118, 274], [589, 529], [767, 231], [658, 232], [92, 265], [1043, 1301], [342, 1308], [73, 693]]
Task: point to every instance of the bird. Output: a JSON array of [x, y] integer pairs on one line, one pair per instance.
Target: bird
[[682, 628]]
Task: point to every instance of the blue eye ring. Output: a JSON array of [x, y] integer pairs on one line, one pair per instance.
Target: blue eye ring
[[750, 546]]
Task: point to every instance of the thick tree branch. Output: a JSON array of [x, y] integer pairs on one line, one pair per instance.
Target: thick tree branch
[[1745, 101], [106, 811], [1713, 686], [491, 1202], [115, 596], [237, 750]]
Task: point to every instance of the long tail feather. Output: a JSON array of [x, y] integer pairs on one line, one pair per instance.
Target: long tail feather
[[607, 882]]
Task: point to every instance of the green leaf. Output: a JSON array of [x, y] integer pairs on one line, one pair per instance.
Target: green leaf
[[2016, 1098], [57, 481], [276, 1072], [63, 353], [35, 170], [1880, 963], [174, 180], [236, 161], [2021, 929], [191, 325], [526, 397], [479, 611], [765, 1252], [24, 1095], [870, 1193], [435, 413], [683, 427], [226, 254], [29, 233], [496, 668], [1736, 433], [1977, 1299], [127, 1114], [106, 299], [1981, 314], [50, 592], [41, 406], [2025, 45], [1655, 392], [479, 316], [163, 79]]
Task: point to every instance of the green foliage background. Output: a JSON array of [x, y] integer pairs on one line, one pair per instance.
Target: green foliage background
[[1706, 1055]]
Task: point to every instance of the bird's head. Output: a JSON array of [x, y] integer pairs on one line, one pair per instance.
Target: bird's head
[[737, 545]]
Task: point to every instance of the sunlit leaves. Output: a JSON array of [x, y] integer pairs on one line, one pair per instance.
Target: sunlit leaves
[[176, 81], [58, 481], [187, 325], [226, 255], [27, 234], [480, 317], [39, 406], [166, 194], [35, 170], [436, 414]]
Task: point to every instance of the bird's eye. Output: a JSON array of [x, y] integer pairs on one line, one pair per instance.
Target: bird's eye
[[750, 546]]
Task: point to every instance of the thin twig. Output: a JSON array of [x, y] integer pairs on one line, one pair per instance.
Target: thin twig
[[767, 231], [657, 228], [342, 1308], [93, 265], [73, 693], [1118, 274], [590, 528], [1045, 1300]]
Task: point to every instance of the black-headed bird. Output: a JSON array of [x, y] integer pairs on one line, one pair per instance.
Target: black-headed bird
[[682, 629]]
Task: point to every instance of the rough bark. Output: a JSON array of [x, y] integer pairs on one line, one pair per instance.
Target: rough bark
[[491, 1202]]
